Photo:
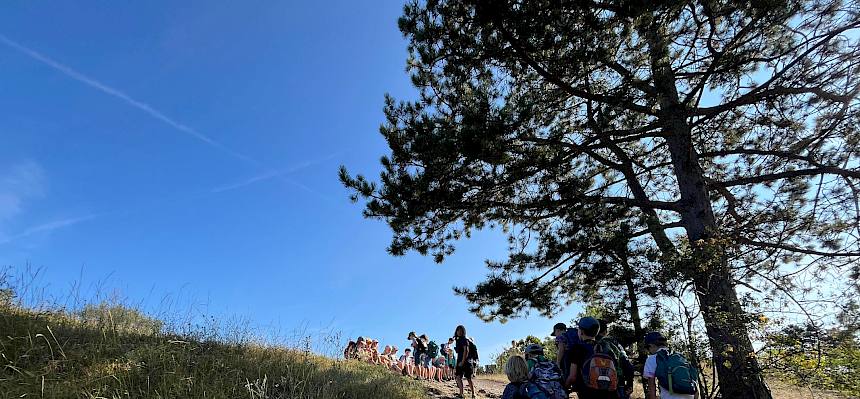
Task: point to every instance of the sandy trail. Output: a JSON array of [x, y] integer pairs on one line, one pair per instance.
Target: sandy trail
[[484, 388]]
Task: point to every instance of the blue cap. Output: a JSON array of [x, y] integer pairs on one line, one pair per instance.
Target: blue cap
[[589, 326]]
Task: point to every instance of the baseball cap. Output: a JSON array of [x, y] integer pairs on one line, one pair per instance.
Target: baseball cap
[[558, 326], [653, 338], [589, 326]]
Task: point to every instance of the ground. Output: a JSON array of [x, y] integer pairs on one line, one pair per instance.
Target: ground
[[491, 386]]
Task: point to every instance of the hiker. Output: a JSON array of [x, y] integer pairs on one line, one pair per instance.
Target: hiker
[[419, 351], [517, 372], [444, 350], [430, 353], [361, 349], [452, 360], [373, 352], [385, 357], [624, 367], [593, 374], [440, 367], [544, 375], [565, 340], [675, 375], [407, 365], [351, 351], [467, 357]]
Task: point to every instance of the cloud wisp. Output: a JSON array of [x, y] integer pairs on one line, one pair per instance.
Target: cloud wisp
[[20, 182], [273, 174], [113, 92], [48, 227]]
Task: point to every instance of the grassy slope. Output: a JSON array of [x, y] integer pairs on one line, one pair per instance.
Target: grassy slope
[[54, 356]]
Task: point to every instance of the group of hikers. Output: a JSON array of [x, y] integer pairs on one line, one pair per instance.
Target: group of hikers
[[455, 359], [595, 366], [588, 362]]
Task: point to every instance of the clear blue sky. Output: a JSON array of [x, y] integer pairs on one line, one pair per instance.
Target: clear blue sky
[[192, 148]]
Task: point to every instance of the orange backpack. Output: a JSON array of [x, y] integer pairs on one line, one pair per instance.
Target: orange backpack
[[599, 372]]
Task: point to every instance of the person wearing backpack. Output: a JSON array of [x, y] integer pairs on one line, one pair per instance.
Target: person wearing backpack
[[593, 374], [565, 340], [517, 371], [419, 352], [675, 375], [623, 366], [467, 358], [544, 375]]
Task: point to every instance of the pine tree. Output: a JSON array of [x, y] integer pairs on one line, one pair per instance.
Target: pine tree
[[721, 133]]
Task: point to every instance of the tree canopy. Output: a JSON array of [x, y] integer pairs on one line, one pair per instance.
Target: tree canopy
[[719, 138]]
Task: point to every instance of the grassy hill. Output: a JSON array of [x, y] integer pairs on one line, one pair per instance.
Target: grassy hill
[[123, 355]]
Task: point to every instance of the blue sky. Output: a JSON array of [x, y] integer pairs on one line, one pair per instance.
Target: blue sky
[[166, 148]]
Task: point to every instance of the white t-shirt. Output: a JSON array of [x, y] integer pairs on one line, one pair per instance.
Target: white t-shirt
[[650, 371]]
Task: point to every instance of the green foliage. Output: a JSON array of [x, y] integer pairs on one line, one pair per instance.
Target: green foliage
[[55, 355], [518, 348], [809, 356], [717, 138]]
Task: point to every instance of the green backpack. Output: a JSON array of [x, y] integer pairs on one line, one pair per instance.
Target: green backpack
[[675, 373], [432, 349]]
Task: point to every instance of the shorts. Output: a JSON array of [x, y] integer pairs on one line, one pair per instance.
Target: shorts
[[425, 360], [417, 358], [439, 363], [466, 370]]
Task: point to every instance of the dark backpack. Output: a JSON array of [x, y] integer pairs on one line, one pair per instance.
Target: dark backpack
[[599, 372], [432, 349], [675, 373], [473, 350], [420, 346]]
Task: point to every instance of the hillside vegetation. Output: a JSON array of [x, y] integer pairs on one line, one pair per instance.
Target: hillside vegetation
[[115, 352]]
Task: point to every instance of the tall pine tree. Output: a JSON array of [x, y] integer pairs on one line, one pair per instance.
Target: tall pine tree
[[722, 132]]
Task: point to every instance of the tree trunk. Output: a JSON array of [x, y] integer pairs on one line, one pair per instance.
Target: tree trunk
[[635, 316], [737, 367]]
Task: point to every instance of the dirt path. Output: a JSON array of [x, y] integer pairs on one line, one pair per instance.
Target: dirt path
[[485, 388]]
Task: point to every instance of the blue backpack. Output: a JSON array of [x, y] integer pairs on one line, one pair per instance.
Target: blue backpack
[[675, 373], [545, 381]]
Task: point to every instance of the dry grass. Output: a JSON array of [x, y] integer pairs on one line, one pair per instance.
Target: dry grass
[[54, 355]]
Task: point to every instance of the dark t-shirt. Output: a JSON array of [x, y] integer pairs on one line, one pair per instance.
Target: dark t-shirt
[[578, 355], [460, 345]]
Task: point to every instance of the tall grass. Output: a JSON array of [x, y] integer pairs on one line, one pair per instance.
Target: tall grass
[[109, 350]]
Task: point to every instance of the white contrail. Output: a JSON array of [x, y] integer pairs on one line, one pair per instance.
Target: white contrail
[[148, 109], [50, 226]]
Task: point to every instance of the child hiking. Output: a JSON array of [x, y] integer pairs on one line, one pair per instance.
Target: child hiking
[[467, 356], [593, 374], [676, 377]]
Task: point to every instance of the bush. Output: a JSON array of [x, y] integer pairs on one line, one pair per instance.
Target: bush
[[809, 356]]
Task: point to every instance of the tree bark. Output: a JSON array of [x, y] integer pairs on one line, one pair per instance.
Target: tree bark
[[737, 367]]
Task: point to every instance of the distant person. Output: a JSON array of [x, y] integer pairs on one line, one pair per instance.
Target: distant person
[[452, 359], [593, 373], [440, 367], [427, 357], [419, 351], [623, 365], [565, 340], [467, 356], [545, 376], [517, 372], [351, 351], [385, 357], [677, 378], [407, 363]]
